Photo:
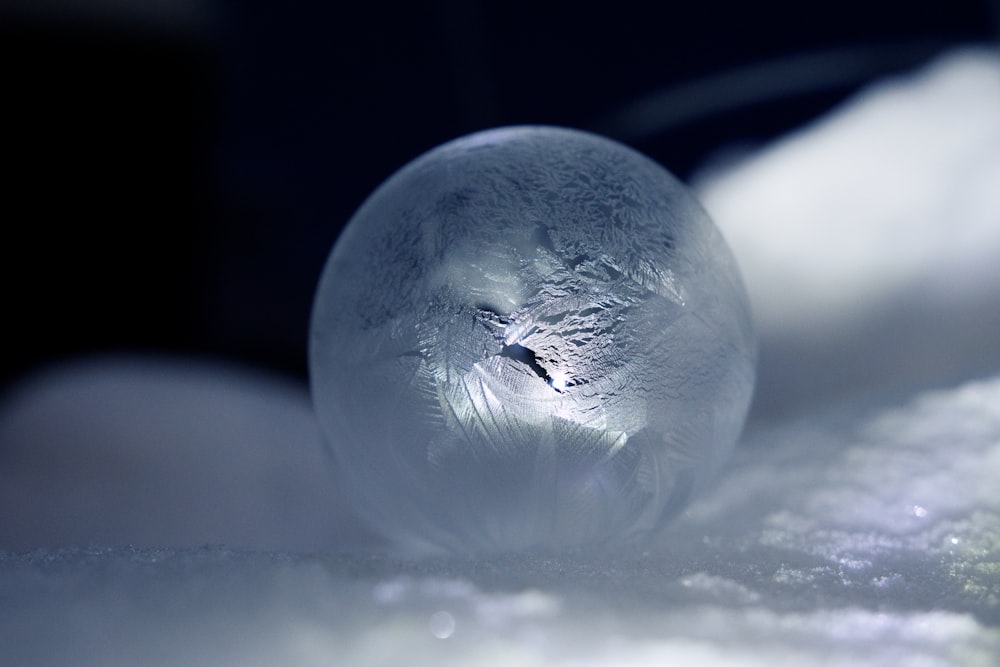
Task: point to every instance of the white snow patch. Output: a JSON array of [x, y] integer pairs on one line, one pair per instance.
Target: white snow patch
[[869, 239]]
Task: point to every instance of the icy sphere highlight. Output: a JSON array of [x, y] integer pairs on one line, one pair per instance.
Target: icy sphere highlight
[[529, 338]]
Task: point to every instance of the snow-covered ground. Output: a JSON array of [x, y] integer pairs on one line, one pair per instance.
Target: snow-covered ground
[[858, 522], [869, 240], [862, 536]]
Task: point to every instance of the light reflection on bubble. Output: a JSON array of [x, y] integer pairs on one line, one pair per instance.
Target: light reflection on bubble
[[441, 624]]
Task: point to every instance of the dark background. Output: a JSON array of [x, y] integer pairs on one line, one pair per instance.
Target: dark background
[[176, 172]]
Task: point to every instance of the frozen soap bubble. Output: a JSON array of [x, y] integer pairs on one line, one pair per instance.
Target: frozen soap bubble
[[529, 338]]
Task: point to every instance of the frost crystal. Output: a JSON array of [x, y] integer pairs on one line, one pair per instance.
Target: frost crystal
[[529, 338]]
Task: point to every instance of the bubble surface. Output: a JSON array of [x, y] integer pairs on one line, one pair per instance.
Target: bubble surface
[[529, 338]]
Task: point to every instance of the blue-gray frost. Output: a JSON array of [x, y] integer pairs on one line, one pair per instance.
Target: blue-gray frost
[[529, 338]]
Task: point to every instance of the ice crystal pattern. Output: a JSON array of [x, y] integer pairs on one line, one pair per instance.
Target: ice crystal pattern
[[529, 338]]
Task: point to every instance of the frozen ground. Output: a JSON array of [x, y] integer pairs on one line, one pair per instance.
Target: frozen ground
[[858, 522], [865, 536], [869, 239]]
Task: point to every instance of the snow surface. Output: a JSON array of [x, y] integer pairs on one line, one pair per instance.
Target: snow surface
[[862, 536], [869, 240], [858, 532], [127, 450]]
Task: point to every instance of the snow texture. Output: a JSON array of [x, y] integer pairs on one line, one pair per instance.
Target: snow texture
[[529, 338], [861, 533], [869, 240], [862, 536], [127, 450]]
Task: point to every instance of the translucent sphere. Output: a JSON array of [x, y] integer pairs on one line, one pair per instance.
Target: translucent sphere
[[529, 338]]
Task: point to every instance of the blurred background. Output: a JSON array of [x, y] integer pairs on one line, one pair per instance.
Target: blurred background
[[177, 170]]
